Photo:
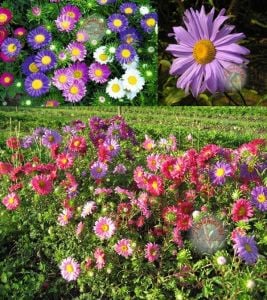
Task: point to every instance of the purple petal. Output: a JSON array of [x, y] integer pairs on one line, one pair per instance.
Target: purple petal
[[188, 74], [234, 48], [229, 39], [182, 35], [179, 50], [180, 65], [235, 58], [216, 25]]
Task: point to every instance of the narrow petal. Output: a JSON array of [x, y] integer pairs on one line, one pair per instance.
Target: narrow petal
[[179, 50], [235, 58], [234, 48], [216, 26], [190, 24], [180, 65], [228, 39], [182, 35], [188, 74]]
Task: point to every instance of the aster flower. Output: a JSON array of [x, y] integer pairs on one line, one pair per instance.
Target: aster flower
[[204, 51], [170, 214], [155, 185], [133, 81], [259, 197], [128, 8], [177, 237], [42, 184], [246, 248], [45, 60], [62, 78], [125, 54], [19, 32], [11, 201], [13, 143], [64, 217], [152, 252], [79, 71], [130, 36], [99, 73], [75, 91], [112, 146], [98, 170], [104, 228], [101, 55], [72, 12], [149, 22], [64, 161], [65, 23], [100, 258], [5, 168], [39, 38], [11, 47], [29, 66], [242, 210], [82, 36], [123, 247], [115, 89], [88, 208], [79, 229], [6, 79], [119, 169], [77, 51], [149, 143], [27, 141], [70, 269], [51, 138], [220, 171], [184, 222], [37, 84], [117, 22], [5, 16], [78, 144]]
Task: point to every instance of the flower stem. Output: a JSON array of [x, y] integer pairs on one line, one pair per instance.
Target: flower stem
[[231, 99], [242, 97]]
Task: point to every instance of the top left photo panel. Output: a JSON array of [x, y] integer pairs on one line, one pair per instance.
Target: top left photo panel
[[86, 52]]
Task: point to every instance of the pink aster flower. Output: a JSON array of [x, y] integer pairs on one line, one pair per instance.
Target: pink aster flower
[[88, 208], [70, 269], [78, 144], [72, 12], [99, 73], [149, 143], [123, 248], [64, 218], [62, 78], [242, 210], [104, 228], [99, 256], [11, 201], [82, 36], [42, 184], [6, 79], [153, 162], [152, 252], [65, 23], [77, 51], [64, 161], [75, 91]]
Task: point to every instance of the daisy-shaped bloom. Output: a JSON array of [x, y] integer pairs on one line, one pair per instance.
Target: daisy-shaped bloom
[[88, 208], [130, 36], [11, 47], [42, 184], [72, 12], [155, 185], [220, 171], [70, 269], [123, 247], [13, 143], [117, 22], [11, 201], [119, 169], [39, 38], [100, 258], [102, 56], [6, 79], [259, 197], [128, 8], [29, 66], [149, 143], [184, 222], [152, 251], [177, 237], [19, 32], [65, 23], [75, 91], [125, 54], [104, 228], [170, 214], [112, 147], [78, 144], [82, 36], [64, 161], [65, 216], [5, 16], [133, 81], [51, 138], [45, 60], [77, 51], [98, 170], [242, 210], [205, 50], [246, 248], [79, 71], [62, 78], [115, 89], [37, 84], [99, 73], [149, 22]]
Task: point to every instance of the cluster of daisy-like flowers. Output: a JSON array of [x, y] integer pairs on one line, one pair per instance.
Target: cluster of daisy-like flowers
[[162, 196]]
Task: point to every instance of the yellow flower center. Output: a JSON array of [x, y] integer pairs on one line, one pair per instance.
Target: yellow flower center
[[33, 68], [41, 184], [77, 143], [46, 60], [69, 268], [64, 161], [7, 79], [241, 212], [74, 90], [78, 74], [129, 39], [98, 72], [125, 53], [261, 198], [39, 38], [65, 24], [117, 23], [124, 248], [98, 170], [37, 84], [105, 227], [62, 78], [71, 14], [220, 172], [248, 248], [103, 57], [204, 52], [151, 22], [51, 138], [75, 52], [11, 48], [80, 37], [11, 200], [132, 80], [155, 185], [128, 10], [3, 18], [115, 88]]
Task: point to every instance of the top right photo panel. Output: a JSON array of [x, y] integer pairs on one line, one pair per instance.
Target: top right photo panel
[[212, 52]]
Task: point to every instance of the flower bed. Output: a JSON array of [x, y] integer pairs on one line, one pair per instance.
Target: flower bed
[[90, 211]]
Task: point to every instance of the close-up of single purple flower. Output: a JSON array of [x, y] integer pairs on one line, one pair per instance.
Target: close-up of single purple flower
[[128, 8], [125, 54], [99, 73], [65, 23], [72, 12], [204, 50], [37, 84], [75, 91], [117, 22], [27, 141], [219, 173], [51, 138], [105, 2], [130, 36], [98, 170], [112, 146], [79, 71], [246, 248], [39, 38], [62, 78], [149, 22], [259, 197], [45, 60], [29, 66], [77, 51], [11, 47]]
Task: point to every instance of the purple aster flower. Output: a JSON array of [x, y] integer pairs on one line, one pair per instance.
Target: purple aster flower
[[99, 73], [247, 173], [39, 38], [259, 197], [77, 51], [75, 91], [65, 23], [105, 2], [112, 146], [79, 71], [149, 21], [125, 54], [62, 78], [204, 51], [37, 84], [128, 8], [27, 141], [69, 129], [246, 248], [220, 171], [117, 22], [39, 132], [72, 12], [51, 138], [119, 169], [98, 170], [29, 66], [11, 47], [130, 36], [45, 60]]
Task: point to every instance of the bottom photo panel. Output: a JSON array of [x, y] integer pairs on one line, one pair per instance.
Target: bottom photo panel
[[133, 203]]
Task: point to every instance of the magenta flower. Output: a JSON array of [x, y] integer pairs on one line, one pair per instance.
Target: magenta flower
[[77, 51], [99, 73], [42, 184], [100, 258], [104, 228], [65, 23], [11, 201], [123, 248], [70, 269], [152, 252]]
